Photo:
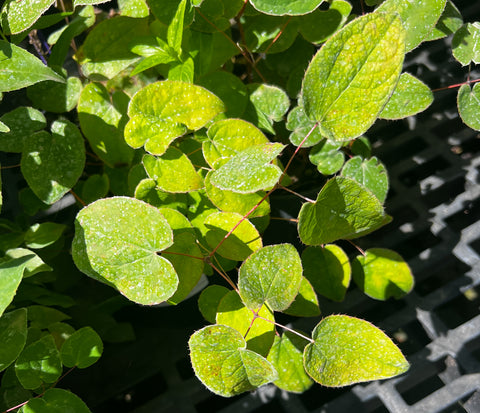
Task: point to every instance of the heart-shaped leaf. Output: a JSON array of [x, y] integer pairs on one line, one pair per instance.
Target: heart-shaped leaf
[[300, 125], [223, 364], [271, 275], [82, 349], [250, 170], [410, 96], [52, 164], [352, 76], [348, 350], [344, 209], [466, 43], [163, 111], [327, 156], [118, 241], [382, 274]]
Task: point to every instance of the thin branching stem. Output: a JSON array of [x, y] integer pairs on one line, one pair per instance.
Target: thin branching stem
[[286, 328]]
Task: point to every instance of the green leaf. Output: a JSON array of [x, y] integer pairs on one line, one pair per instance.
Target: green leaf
[[18, 16], [56, 97], [305, 303], [348, 350], [95, 187], [230, 89], [286, 356], [268, 105], [327, 156], [147, 191], [173, 171], [286, 7], [352, 76], [250, 170], [229, 137], [84, 19], [60, 332], [318, 26], [43, 235], [229, 201], [370, 173], [19, 69], [4, 128], [450, 21], [468, 102], [87, 2], [11, 273], [344, 209], [102, 118], [163, 111], [300, 125], [134, 8], [52, 164], [56, 401], [328, 270], [165, 11], [82, 349], [410, 96], [34, 264], [209, 300], [272, 276], [118, 241], [270, 34], [382, 274], [106, 51], [185, 254], [244, 240], [258, 332], [41, 317], [39, 363], [224, 365], [182, 71], [13, 336], [23, 122], [419, 17], [466, 43], [175, 29]]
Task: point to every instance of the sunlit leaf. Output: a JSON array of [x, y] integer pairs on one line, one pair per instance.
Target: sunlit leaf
[[382, 274], [82, 349], [468, 101], [224, 365], [352, 76], [18, 16], [348, 350]]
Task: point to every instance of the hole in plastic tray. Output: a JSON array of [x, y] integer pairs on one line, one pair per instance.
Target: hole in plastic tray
[[460, 309], [411, 338], [445, 193], [420, 172], [272, 407], [462, 219], [414, 245], [448, 128], [215, 403], [422, 382], [451, 269], [403, 151], [184, 368], [316, 396], [134, 396]]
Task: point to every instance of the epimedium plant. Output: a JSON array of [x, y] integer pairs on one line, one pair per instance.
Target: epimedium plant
[[172, 126]]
